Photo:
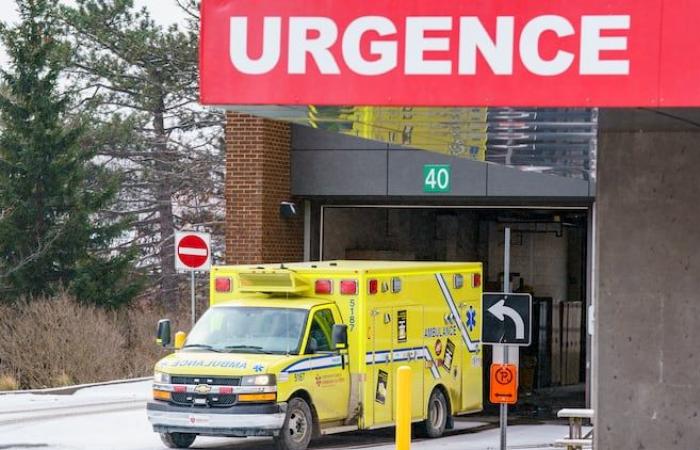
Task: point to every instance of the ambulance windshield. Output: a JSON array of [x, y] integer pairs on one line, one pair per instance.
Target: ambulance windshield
[[248, 330]]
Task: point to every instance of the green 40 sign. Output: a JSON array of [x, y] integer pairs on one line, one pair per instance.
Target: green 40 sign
[[437, 178]]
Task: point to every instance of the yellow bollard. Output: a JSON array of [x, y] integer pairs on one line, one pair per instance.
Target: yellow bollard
[[403, 408]]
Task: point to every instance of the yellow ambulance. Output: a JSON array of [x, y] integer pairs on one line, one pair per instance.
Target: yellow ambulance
[[294, 351]]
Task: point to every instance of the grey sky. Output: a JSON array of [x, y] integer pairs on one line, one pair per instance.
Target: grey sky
[[164, 12]]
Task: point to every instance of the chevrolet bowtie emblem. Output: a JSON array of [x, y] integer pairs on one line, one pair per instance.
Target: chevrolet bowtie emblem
[[202, 389]]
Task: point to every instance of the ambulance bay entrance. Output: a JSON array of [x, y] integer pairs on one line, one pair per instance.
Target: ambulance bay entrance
[[549, 259]]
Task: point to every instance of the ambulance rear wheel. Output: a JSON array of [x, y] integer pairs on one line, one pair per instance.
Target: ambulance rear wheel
[[434, 425], [298, 426], [177, 440]]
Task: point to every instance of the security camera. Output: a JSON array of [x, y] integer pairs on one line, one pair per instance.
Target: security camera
[[288, 210]]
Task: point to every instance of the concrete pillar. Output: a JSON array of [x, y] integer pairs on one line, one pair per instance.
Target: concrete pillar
[[648, 305], [257, 180]]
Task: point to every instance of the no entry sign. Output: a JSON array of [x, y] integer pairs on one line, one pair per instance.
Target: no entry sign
[[451, 53], [192, 251]]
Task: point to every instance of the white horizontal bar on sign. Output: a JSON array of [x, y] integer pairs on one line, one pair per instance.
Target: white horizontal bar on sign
[[193, 251]]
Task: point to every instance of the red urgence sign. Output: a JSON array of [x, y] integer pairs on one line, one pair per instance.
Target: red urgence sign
[[449, 53]]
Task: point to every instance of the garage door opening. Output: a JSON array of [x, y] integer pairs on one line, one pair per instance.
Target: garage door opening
[[549, 259]]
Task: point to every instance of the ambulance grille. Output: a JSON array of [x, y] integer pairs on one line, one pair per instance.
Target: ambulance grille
[[213, 400], [212, 381]]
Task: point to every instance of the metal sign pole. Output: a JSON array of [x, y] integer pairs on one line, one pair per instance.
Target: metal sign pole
[[192, 288], [506, 288]]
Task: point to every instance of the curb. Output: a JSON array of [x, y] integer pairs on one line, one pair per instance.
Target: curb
[[68, 390]]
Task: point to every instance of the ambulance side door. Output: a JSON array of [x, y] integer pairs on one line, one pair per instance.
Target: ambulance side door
[[328, 379], [380, 360], [408, 350]]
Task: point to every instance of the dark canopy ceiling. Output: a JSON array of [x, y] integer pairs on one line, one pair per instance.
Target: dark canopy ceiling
[[560, 141]]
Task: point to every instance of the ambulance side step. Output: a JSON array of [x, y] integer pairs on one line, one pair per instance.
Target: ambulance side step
[[339, 429]]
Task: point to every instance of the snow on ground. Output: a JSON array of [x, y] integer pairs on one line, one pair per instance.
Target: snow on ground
[[140, 390], [121, 390], [125, 392], [75, 422]]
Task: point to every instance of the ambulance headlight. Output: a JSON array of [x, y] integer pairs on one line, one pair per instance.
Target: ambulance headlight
[[160, 377], [259, 380]]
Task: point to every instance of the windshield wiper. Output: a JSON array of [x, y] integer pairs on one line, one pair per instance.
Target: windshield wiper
[[248, 347], [204, 346]]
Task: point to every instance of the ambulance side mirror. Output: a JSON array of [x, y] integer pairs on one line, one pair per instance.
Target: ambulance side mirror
[[340, 336], [163, 335]]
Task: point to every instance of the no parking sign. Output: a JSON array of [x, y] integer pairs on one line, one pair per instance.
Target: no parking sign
[[504, 384]]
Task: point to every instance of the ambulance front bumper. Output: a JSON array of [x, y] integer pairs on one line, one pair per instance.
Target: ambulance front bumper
[[239, 420]]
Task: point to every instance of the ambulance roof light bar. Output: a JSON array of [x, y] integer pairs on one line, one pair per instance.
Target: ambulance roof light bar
[[323, 287], [222, 284], [348, 287], [373, 286], [476, 280]]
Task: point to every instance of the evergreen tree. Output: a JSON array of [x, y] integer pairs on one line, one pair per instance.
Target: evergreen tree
[[142, 83], [51, 232]]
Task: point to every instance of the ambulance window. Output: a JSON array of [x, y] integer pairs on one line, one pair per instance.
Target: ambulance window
[[320, 332]]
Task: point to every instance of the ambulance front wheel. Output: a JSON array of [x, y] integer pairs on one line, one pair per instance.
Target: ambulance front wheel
[[434, 425], [177, 440], [298, 426]]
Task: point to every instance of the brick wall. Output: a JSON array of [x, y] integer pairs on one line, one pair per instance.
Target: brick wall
[[257, 180]]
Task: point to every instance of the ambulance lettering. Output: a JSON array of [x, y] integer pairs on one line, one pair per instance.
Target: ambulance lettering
[[351, 321], [328, 380], [437, 332], [234, 364]]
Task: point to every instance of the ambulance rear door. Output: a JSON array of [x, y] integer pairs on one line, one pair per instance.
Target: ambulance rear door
[[472, 370]]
